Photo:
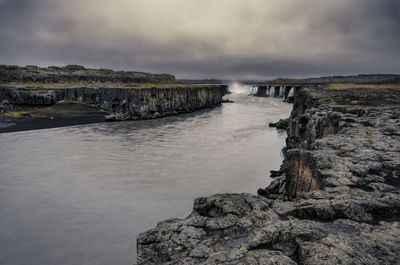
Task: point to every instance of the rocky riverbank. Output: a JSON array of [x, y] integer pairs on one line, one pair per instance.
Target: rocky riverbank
[[29, 95], [336, 199]]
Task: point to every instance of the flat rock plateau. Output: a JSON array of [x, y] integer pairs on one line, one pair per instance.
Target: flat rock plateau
[[335, 200], [32, 97]]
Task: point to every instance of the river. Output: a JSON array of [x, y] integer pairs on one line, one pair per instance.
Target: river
[[81, 194]]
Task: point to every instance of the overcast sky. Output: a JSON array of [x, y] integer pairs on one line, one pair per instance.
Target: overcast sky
[[237, 39]]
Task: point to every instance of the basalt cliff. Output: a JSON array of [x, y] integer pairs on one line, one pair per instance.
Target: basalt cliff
[[336, 199], [56, 93]]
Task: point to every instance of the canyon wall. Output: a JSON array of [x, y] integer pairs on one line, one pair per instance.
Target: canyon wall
[[331, 131], [123, 103], [124, 95]]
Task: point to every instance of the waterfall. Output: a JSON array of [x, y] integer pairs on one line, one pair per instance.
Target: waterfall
[[282, 92], [272, 92], [254, 89], [291, 93]]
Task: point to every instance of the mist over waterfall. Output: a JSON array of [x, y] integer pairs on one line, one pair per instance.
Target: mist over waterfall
[[238, 88]]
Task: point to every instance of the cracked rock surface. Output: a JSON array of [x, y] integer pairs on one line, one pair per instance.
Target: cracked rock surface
[[337, 203]]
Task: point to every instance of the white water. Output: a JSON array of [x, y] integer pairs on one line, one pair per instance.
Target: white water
[[291, 92], [271, 92], [282, 92]]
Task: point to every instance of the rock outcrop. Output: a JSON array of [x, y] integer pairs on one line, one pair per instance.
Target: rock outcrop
[[281, 124], [337, 203]]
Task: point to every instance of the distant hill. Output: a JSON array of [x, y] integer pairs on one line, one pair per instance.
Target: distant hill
[[76, 73], [356, 79]]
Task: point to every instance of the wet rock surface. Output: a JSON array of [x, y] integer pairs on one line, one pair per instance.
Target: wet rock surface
[[282, 124], [338, 201]]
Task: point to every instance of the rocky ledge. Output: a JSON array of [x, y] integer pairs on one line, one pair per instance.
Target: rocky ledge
[[336, 199]]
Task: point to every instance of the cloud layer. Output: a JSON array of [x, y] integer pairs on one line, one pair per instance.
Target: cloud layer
[[205, 39]]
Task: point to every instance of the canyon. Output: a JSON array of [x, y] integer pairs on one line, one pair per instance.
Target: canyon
[[334, 200]]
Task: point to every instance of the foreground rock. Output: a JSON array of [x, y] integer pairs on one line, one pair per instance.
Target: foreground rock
[[338, 203], [248, 229]]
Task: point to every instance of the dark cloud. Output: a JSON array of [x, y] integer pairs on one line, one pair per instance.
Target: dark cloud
[[209, 38]]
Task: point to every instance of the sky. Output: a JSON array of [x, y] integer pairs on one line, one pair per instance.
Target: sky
[[230, 39]]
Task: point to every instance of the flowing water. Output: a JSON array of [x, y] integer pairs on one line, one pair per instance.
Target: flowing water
[[81, 194]]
